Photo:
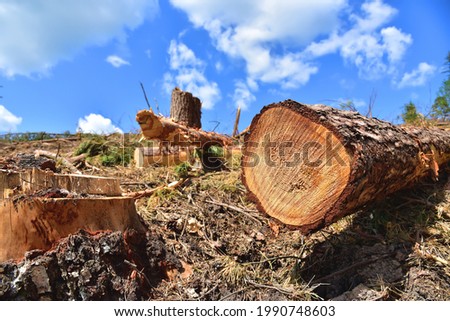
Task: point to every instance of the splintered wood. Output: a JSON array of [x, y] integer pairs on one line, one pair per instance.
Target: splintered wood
[[166, 130], [309, 165]]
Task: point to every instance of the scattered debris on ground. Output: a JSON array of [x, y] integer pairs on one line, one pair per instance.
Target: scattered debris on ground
[[207, 241], [104, 266]]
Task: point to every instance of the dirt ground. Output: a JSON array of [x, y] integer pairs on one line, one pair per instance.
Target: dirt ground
[[214, 245]]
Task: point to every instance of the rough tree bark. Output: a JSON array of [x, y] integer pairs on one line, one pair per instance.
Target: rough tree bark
[[166, 130], [309, 165], [185, 108]]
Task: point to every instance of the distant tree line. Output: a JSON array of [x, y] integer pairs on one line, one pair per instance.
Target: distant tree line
[[25, 137], [440, 110]]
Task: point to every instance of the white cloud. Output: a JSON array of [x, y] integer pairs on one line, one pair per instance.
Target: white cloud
[[189, 74], [97, 124], [417, 77], [280, 40], [395, 43], [377, 14], [242, 96], [219, 67], [116, 61], [37, 34], [374, 51], [8, 121], [181, 56], [250, 30]]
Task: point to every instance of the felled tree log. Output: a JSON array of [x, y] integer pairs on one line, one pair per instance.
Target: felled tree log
[[309, 165], [167, 130], [185, 108]]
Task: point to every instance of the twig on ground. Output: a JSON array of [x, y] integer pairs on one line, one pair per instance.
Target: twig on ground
[[91, 167], [234, 208], [423, 253], [273, 259], [134, 267], [150, 192], [134, 183], [232, 294], [351, 267], [420, 201], [272, 287], [209, 291]]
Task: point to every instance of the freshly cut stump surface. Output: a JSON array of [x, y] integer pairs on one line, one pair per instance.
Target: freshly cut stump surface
[[309, 165], [295, 194]]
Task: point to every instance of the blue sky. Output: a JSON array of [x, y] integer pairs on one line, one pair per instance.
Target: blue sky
[[76, 65]]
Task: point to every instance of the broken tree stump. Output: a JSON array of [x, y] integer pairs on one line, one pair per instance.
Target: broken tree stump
[[38, 223], [166, 130], [309, 165], [37, 208], [185, 108], [33, 180]]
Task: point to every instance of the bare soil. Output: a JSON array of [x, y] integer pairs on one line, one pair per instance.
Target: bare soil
[[206, 241]]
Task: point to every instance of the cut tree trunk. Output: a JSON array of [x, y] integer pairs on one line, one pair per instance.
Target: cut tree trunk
[[309, 165], [34, 180], [38, 223], [185, 108], [37, 208], [167, 130]]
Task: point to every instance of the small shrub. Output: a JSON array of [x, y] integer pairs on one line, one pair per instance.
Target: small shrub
[[182, 170], [108, 153], [92, 147]]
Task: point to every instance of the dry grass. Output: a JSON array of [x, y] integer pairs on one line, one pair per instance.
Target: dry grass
[[236, 255], [399, 247]]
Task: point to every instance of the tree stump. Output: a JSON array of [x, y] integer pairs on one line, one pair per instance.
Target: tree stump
[[309, 165], [185, 108]]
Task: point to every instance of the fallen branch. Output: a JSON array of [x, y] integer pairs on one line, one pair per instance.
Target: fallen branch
[[271, 287], [91, 166], [51, 155], [271, 259], [236, 209], [424, 254], [357, 265], [232, 294], [166, 130], [78, 158], [150, 192]]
